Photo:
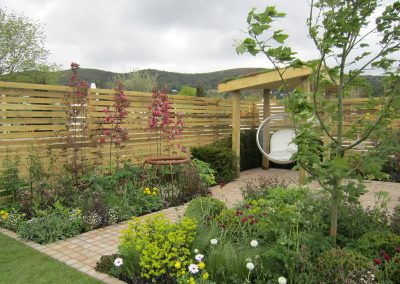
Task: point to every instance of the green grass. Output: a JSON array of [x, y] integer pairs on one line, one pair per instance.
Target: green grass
[[22, 264]]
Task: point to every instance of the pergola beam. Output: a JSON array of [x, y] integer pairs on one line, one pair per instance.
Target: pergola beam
[[269, 80]]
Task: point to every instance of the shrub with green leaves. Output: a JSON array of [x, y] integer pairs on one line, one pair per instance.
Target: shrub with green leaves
[[51, 225], [259, 187], [355, 221], [373, 243], [344, 266], [250, 156], [221, 159], [153, 247], [395, 220], [207, 174], [10, 180], [140, 201], [204, 209]]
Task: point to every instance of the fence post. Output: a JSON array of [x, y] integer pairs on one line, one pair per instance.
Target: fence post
[[236, 126]]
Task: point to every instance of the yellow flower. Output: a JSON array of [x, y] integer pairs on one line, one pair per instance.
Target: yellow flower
[[2, 212], [178, 265], [154, 193], [5, 216], [205, 275], [155, 189], [202, 265], [191, 280]]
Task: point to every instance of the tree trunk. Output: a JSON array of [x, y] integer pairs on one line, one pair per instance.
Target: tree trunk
[[334, 215]]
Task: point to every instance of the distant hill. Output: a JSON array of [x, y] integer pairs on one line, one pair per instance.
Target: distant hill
[[168, 80]]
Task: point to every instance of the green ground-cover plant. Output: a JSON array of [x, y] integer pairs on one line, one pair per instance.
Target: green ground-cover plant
[[51, 225], [351, 37], [204, 209], [21, 264]]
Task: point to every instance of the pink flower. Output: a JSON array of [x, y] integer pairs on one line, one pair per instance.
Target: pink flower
[[253, 221], [377, 261]]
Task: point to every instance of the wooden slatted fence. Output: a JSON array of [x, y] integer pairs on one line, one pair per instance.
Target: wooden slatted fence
[[34, 119]]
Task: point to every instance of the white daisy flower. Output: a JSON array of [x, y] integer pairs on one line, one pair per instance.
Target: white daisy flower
[[199, 257], [193, 268], [196, 251], [118, 262], [250, 266], [282, 280], [254, 243], [213, 241]]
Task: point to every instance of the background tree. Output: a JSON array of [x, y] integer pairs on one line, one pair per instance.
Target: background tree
[[187, 91], [351, 38], [21, 44], [200, 92], [140, 81]]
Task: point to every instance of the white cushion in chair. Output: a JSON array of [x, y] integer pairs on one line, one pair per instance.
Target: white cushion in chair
[[281, 146]]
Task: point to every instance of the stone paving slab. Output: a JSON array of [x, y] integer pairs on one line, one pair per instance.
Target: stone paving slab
[[83, 251]]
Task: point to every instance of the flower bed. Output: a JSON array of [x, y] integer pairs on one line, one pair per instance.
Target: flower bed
[[278, 234], [61, 210]]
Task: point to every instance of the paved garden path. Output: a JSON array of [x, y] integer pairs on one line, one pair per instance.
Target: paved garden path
[[83, 251]]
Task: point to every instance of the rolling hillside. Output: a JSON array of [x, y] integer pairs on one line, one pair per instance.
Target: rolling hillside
[[169, 80]]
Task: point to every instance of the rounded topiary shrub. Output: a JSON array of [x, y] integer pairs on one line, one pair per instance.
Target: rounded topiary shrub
[[344, 266], [222, 160], [204, 209]]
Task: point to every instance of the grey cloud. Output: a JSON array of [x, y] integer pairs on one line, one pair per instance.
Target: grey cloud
[[174, 35]]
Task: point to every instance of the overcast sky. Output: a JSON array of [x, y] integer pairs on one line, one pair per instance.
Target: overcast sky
[[190, 36]]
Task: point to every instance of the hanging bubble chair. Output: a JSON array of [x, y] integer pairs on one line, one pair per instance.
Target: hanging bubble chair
[[275, 138]]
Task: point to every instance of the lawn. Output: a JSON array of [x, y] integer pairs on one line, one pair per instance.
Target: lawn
[[22, 264]]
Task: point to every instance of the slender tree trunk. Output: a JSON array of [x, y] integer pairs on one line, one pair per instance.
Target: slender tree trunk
[[334, 215]]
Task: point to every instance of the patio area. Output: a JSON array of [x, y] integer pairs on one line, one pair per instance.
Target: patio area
[[83, 251]]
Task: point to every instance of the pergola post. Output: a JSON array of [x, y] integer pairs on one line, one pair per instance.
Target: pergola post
[[236, 126], [306, 86], [266, 113]]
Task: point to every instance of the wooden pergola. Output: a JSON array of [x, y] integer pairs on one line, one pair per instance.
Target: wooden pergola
[[267, 82]]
